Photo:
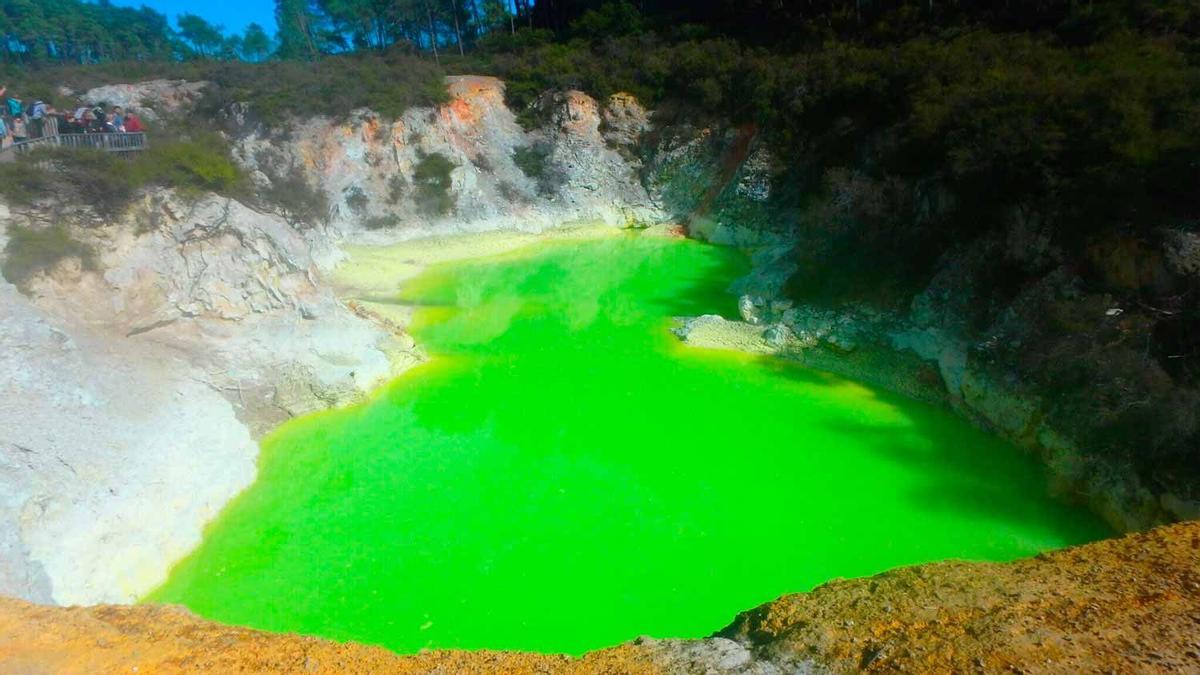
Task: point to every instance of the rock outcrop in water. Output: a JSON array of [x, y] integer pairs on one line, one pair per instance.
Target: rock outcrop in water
[[1124, 606]]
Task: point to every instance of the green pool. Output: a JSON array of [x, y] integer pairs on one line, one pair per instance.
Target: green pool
[[563, 475]]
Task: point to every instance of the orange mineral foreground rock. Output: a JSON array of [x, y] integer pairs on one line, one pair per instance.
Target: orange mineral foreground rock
[[1129, 605]]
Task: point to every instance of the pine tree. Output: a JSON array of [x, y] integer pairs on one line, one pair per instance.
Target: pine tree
[[296, 35]]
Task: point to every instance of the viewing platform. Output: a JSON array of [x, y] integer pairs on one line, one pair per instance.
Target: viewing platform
[[108, 142]]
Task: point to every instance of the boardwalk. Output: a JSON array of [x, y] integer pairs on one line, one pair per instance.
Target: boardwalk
[[109, 142]]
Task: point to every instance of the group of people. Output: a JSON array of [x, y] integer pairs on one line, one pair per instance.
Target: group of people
[[20, 121]]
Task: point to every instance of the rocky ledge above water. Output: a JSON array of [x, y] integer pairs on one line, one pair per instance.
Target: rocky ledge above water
[[1121, 606]]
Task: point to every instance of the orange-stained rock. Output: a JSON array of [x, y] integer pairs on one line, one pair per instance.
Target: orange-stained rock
[[1129, 605]]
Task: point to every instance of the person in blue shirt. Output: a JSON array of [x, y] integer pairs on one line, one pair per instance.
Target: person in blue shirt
[[37, 118]]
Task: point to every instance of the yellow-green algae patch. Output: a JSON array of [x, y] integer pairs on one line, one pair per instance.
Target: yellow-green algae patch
[[563, 475]]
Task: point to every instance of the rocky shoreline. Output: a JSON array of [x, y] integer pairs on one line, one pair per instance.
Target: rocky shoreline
[[888, 351], [1123, 606]]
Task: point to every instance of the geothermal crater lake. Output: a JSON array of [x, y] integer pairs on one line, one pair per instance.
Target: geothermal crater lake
[[564, 475]]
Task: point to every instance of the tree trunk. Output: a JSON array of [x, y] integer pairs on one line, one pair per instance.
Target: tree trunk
[[432, 33], [477, 19], [457, 31]]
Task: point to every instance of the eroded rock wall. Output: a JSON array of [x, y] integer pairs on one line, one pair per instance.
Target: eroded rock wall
[[135, 388], [369, 168], [954, 342]]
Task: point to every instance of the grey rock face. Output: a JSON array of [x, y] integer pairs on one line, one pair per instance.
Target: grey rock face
[[151, 100], [1183, 252], [366, 167], [713, 656], [132, 395], [113, 455]]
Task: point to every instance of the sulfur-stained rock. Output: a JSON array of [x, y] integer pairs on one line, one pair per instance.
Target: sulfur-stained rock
[[365, 166], [1126, 605]]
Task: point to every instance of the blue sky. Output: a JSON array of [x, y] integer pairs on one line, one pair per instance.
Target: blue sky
[[234, 15]]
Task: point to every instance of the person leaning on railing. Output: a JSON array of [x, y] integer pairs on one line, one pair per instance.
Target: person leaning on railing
[[50, 125], [19, 131], [37, 118]]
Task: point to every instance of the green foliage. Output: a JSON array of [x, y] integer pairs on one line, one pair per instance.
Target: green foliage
[[299, 30], [203, 37], [107, 182], [615, 18], [357, 200], [431, 178], [275, 90], [254, 45], [98, 179], [381, 222], [74, 31], [1109, 392], [533, 161], [21, 183], [194, 164], [30, 251], [300, 203], [718, 76], [335, 86], [396, 186]]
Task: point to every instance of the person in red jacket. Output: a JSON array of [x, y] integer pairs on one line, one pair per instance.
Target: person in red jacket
[[133, 123]]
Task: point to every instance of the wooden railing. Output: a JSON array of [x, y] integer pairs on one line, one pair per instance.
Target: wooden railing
[[108, 142]]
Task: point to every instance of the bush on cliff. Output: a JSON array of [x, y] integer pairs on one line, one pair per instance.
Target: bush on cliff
[[431, 178], [31, 251], [107, 182], [23, 183], [534, 162], [192, 164], [99, 180]]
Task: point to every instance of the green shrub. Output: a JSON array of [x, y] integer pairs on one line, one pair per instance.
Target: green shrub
[[22, 182], [431, 178], [531, 160], [334, 86], [31, 251], [396, 187], [534, 161], [275, 90], [357, 200], [381, 222], [102, 180], [192, 165], [300, 203], [94, 178]]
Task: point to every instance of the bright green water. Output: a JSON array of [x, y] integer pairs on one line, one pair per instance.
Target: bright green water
[[564, 475]]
